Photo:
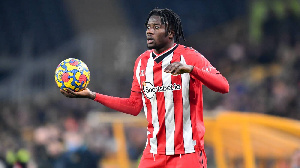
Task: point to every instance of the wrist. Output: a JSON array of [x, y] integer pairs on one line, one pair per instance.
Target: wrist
[[92, 95], [191, 67]]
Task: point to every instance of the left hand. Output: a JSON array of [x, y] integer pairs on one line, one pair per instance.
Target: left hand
[[177, 68]]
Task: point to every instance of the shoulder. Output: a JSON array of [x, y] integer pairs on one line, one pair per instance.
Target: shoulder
[[144, 55], [189, 52]]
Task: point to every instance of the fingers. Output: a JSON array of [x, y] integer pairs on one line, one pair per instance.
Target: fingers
[[177, 68], [174, 68], [68, 93]]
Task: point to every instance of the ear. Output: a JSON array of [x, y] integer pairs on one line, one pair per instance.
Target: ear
[[171, 34]]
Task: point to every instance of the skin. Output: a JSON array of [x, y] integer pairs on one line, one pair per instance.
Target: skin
[[158, 40], [156, 35]]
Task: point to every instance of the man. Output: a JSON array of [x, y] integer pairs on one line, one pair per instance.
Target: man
[[167, 82]]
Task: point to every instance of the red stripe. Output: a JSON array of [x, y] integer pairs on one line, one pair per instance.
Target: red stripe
[[196, 113]]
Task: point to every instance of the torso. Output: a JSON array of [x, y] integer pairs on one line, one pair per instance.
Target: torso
[[172, 104]]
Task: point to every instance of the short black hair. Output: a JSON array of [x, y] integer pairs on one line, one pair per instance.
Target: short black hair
[[171, 20]]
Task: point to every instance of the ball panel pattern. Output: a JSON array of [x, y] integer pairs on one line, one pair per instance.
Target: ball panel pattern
[[72, 73]]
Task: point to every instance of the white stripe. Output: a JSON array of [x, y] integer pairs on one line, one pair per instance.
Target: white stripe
[[169, 106], [137, 72], [187, 126], [145, 107], [155, 123]]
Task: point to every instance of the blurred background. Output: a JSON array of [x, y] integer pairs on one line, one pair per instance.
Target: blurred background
[[255, 44]]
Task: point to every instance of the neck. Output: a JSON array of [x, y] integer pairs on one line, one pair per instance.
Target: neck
[[166, 47]]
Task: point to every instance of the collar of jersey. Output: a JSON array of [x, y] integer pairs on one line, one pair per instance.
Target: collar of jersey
[[159, 57]]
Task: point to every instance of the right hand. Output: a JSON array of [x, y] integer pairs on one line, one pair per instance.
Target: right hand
[[86, 93]]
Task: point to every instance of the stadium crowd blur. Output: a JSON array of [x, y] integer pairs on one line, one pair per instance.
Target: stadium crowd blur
[[261, 64]]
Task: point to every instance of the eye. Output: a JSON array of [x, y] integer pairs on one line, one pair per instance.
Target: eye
[[148, 27], [156, 27]]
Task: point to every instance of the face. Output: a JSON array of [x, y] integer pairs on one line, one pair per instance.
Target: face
[[157, 38]]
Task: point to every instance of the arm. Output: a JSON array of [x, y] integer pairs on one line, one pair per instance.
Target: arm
[[209, 77], [213, 80], [131, 105]]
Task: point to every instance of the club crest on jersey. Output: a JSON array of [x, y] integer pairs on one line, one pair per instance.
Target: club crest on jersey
[[142, 73], [149, 89]]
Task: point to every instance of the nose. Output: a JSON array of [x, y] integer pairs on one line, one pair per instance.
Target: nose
[[149, 30]]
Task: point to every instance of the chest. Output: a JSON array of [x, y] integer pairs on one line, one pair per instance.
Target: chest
[[154, 81]]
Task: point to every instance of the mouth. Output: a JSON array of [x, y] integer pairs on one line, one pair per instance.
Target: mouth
[[150, 40]]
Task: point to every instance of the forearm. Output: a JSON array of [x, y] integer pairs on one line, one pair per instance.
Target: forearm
[[131, 105], [214, 81]]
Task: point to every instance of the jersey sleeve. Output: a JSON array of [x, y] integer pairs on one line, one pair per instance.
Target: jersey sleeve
[[207, 74], [132, 105], [135, 86]]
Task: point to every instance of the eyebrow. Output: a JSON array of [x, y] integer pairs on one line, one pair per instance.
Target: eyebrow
[[155, 24]]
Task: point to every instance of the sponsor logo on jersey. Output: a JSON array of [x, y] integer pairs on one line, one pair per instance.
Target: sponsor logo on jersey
[[149, 89]]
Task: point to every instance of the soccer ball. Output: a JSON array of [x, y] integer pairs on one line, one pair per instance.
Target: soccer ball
[[72, 73]]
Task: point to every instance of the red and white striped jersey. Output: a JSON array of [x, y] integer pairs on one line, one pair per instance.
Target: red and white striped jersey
[[173, 104]]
